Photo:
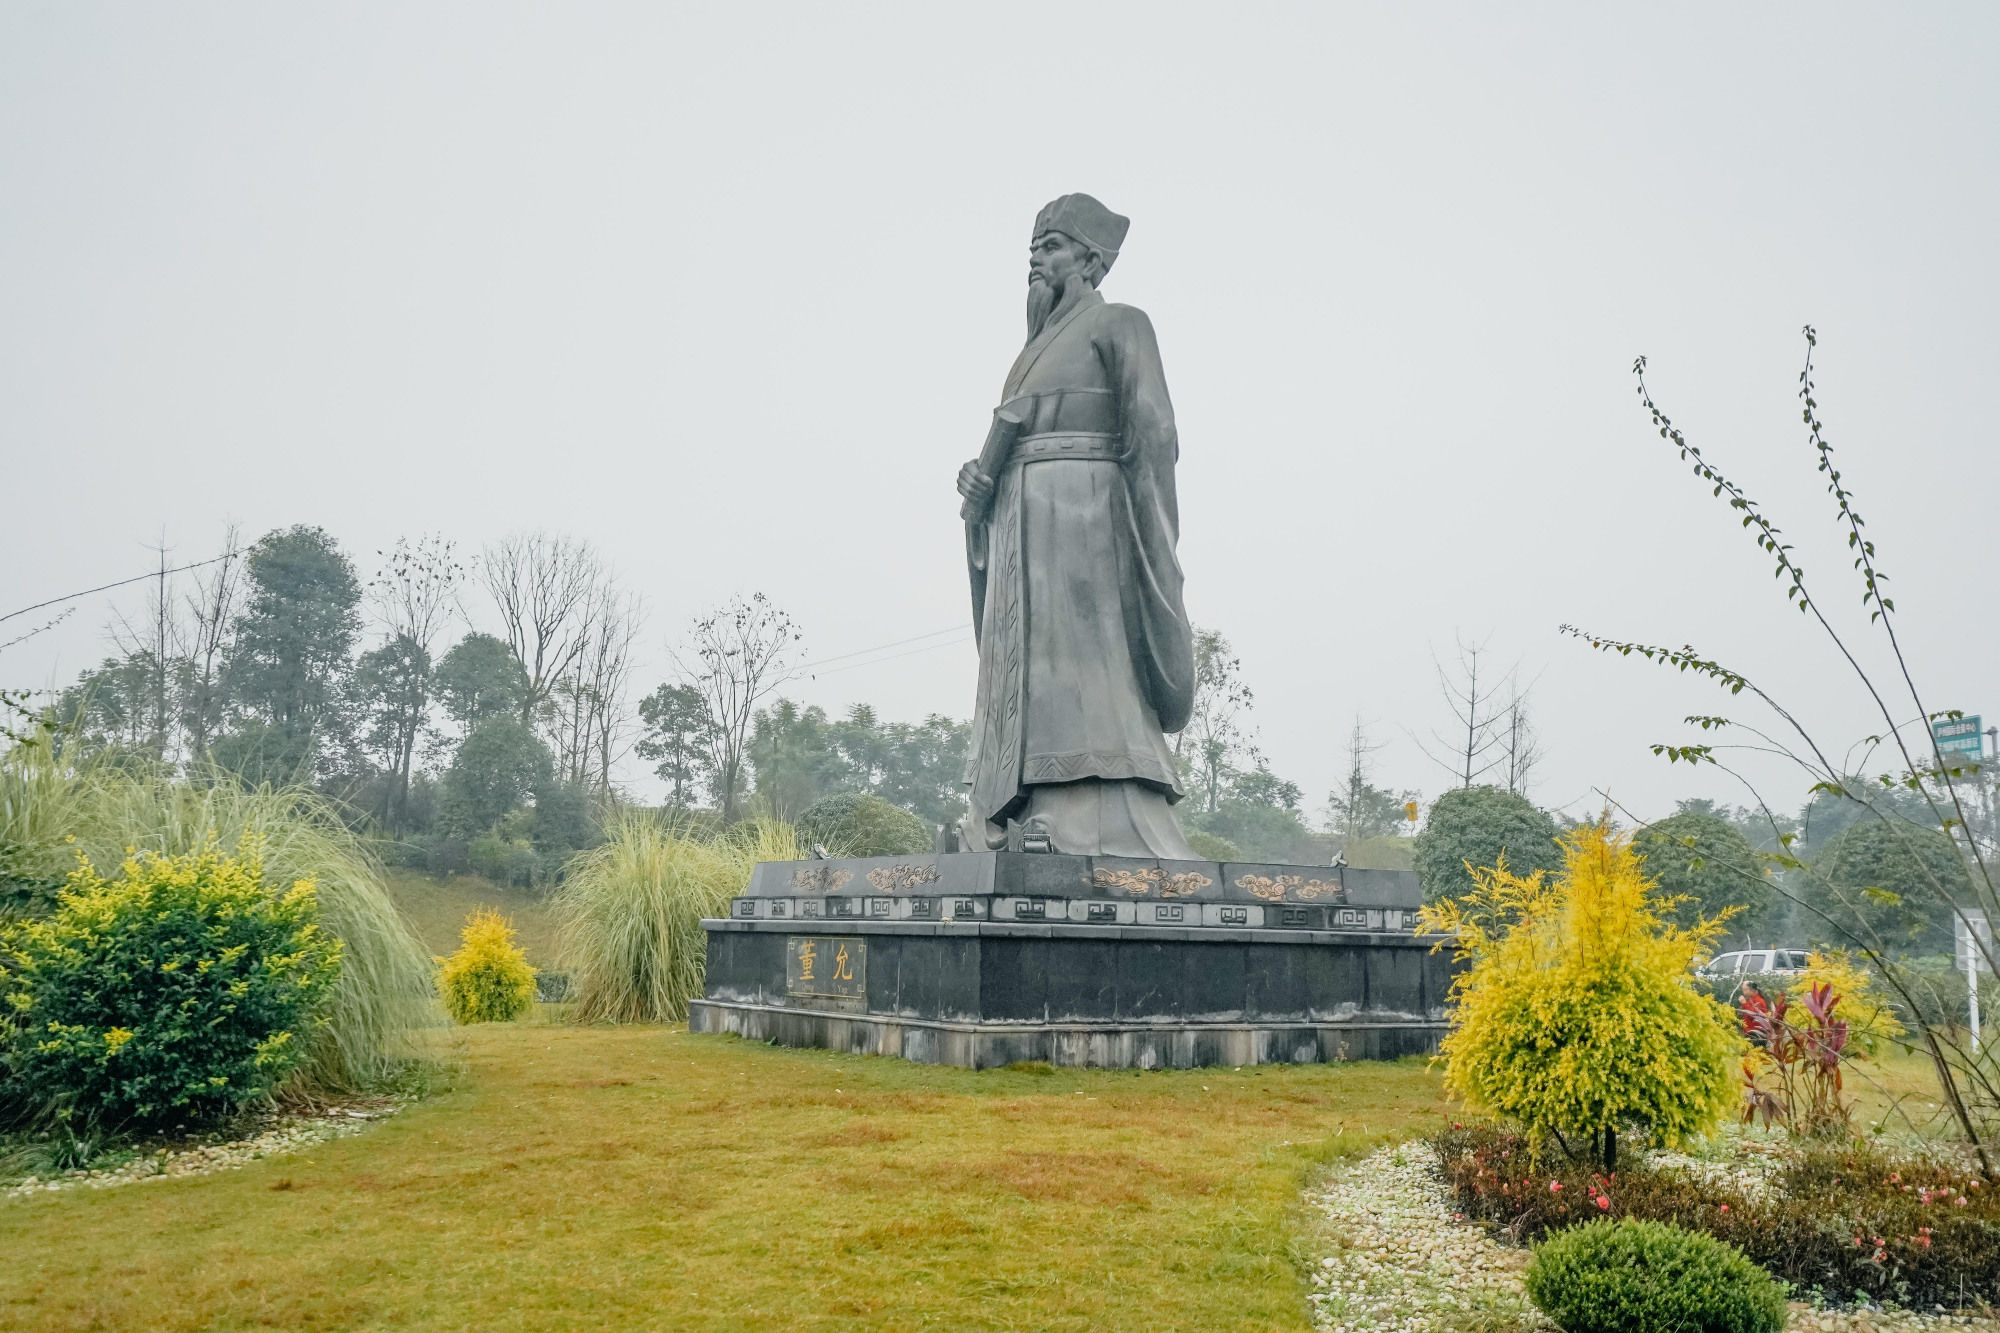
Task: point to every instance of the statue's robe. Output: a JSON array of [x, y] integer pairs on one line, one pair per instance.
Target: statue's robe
[[1086, 657]]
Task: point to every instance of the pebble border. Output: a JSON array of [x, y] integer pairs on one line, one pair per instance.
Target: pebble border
[[291, 1134], [1396, 1258]]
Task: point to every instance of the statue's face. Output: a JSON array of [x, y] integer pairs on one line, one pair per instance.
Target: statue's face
[[1055, 258]]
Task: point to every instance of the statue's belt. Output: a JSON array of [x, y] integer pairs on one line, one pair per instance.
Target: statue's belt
[[1066, 423], [1069, 444]]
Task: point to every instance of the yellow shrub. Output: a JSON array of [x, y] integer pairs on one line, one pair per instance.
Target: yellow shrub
[[488, 980], [1578, 1012], [1870, 1022]]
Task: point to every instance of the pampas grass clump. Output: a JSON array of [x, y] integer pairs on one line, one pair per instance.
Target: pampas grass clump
[[52, 808], [629, 912]]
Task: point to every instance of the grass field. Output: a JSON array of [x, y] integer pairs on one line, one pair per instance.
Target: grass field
[[437, 907], [642, 1178]]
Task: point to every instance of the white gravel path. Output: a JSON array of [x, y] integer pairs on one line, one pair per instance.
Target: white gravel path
[[287, 1134], [1394, 1258]]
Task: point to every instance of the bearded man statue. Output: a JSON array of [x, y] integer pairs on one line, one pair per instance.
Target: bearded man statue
[[1086, 657]]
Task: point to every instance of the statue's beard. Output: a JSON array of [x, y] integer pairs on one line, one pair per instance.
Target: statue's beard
[[1043, 297]]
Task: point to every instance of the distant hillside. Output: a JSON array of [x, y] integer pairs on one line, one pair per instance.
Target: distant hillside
[[437, 906]]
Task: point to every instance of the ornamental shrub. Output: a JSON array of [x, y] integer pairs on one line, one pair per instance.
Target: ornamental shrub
[[1478, 826], [1630, 1276], [174, 994], [1578, 1014], [859, 824], [56, 804], [488, 980]]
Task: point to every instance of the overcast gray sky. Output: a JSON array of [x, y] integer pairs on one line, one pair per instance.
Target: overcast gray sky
[[730, 291]]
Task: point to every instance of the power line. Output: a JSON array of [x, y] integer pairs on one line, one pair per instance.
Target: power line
[[150, 574], [863, 652], [874, 661]]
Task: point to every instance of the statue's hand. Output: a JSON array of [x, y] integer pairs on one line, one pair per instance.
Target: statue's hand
[[975, 485]]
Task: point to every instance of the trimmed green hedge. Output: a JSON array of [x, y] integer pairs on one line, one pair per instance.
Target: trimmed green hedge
[[1631, 1276]]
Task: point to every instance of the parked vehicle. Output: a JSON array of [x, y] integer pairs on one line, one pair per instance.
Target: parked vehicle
[[1754, 962]]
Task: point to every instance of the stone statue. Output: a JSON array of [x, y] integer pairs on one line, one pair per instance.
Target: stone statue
[[1086, 657]]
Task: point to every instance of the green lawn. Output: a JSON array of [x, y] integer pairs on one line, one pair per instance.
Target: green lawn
[[643, 1178], [437, 906]]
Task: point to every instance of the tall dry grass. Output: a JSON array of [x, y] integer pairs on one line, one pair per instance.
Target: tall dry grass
[[54, 809], [628, 915]]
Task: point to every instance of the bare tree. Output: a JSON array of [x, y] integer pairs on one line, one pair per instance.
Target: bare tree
[[1523, 746], [588, 717], [736, 656], [414, 599], [1475, 745], [1359, 809], [152, 645], [619, 625], [545, 589], [212, 615]]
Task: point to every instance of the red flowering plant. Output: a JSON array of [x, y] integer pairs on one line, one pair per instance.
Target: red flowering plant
[[1792, 1075]]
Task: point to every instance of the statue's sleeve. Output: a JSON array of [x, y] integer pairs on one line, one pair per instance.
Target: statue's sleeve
[[1157, 626]]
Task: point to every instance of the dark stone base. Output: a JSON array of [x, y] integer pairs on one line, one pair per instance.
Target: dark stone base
[[981, 959], [1104, 1045]]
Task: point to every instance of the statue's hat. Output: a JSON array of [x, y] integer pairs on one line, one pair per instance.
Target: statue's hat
[[1082, 218]]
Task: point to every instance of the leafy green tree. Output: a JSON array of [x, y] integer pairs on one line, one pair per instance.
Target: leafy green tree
[[1894, 882], [264, 754], [499, 764], [563, 819], [793, 758], [675, 718], [479, 678], [799, 756], [1209, 847], [1703, 860], [294, 642], [918, 766], [1259, 814], [1362, 811], [860, 824], [1829, 814], [1479, 825], [107, 708]]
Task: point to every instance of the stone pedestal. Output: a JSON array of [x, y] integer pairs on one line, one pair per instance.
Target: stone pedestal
[[983, 959]]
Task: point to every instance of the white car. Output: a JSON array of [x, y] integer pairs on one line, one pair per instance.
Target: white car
[[1747, 962]]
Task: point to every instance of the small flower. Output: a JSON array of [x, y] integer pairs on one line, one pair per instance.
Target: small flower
[[1555, 1187], [1603, 1203], [1725, 1207], [1959, 1201]]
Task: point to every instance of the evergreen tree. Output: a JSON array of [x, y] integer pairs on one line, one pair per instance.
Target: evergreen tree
[[480, 678], [294, 642], [676, 724]]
